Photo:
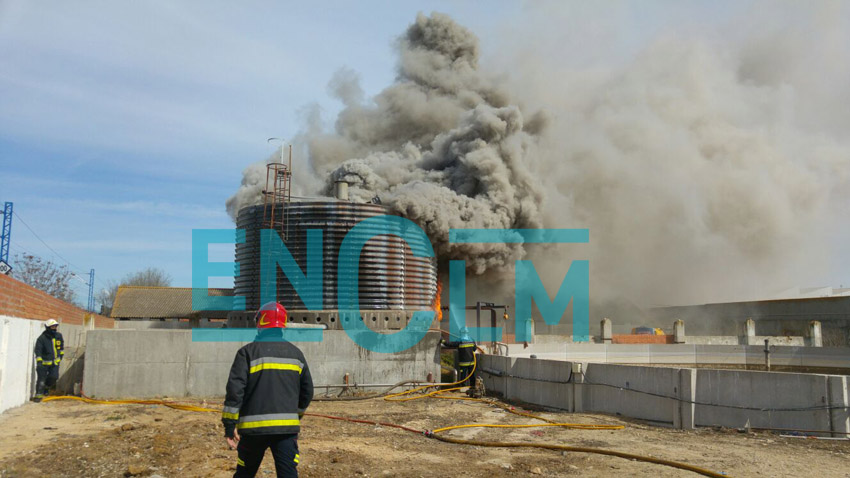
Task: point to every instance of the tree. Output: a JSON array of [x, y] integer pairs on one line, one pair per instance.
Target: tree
[[44, 275], [151, 277]]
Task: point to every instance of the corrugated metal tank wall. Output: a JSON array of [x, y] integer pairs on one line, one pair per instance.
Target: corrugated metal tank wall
[[390, 276]]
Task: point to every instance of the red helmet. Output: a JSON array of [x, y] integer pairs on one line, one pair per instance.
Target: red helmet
[[271, 315]]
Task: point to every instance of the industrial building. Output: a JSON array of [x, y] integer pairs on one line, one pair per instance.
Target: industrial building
[[779, 317]]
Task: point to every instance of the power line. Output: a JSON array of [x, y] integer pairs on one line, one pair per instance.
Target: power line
[[72, 265], [20, 250], [45, 244]]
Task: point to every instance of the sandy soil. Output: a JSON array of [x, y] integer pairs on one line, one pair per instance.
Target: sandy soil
[[73, 439]]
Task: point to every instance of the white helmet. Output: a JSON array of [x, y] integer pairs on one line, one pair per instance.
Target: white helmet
[[50, 323]]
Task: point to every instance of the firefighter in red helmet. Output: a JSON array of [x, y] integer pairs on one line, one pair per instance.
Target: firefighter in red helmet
[[267, 392]]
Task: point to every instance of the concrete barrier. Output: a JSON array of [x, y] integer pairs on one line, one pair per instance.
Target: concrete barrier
[[157, 363], [736, 393], [166, 324], [681, 397], [17, 360]]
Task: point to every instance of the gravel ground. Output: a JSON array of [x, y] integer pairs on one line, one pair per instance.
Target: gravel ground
[[73, 439]]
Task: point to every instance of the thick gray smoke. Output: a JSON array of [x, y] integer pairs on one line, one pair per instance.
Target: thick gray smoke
[[706, 167], [442, 146]]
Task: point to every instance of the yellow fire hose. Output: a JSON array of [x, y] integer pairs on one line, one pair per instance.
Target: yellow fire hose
[[392, 398], [174, 405]]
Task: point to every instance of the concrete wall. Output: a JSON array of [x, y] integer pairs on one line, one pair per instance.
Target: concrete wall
[[688, 354], [153, 363], [17, 362], [680, 397], [166, 324]]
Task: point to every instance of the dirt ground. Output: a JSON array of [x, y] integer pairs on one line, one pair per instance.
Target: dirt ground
[[73, 439]]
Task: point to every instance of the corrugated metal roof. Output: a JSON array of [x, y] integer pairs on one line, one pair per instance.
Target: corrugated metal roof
[[138, 302]]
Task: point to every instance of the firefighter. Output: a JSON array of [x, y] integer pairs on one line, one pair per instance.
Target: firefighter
[[465, 357], [49, 351], [267, 392]]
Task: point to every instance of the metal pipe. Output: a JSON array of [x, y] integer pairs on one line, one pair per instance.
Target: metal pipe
[[341, 190], [477, 315], [767, 354], [500, 345], [493, 347]]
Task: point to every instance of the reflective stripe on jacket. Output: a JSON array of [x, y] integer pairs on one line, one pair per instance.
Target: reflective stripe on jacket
[[269, 386], [465, 352], [49, 348]]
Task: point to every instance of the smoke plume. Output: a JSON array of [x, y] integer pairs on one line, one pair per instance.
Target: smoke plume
[[442, 146], [706, 167]]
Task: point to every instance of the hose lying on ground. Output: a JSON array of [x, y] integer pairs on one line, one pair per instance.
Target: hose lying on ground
[[175, 405], [366, 397], [581, 449], [426, 433], [393, 397]]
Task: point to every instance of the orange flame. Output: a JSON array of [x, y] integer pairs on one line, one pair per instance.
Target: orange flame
[[437, 304]]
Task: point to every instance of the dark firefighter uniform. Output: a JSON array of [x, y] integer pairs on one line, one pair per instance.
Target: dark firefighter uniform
[[465, 359], [49, 351], [267, 392]]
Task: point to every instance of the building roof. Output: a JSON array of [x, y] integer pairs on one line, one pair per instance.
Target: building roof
[[139, 302]]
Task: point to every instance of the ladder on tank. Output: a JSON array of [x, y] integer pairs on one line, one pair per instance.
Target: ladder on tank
[[277, 194]]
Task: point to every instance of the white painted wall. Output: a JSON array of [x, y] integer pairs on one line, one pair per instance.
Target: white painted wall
[[17, 366], [17, 361]]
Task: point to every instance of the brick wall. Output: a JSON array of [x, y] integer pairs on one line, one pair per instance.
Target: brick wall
[[21, 300]]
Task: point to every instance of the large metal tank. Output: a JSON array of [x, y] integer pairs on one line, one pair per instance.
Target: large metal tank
[[391, 278]]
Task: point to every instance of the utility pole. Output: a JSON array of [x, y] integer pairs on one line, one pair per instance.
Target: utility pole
[[91, 290], [6, 239]]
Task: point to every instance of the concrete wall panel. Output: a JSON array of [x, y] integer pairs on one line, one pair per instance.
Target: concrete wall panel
[[624, 353], [681, 396], [150, 363], [618, 390], [673, 354], [547, 386], [721, 354], [761, 390], [587, 353], [17, 360], [494, 382]]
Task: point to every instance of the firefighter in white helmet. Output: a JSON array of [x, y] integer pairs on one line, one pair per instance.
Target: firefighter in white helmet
[[49, 351]]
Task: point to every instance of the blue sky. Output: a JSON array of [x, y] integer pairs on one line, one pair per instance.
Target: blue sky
[[124, 125]]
